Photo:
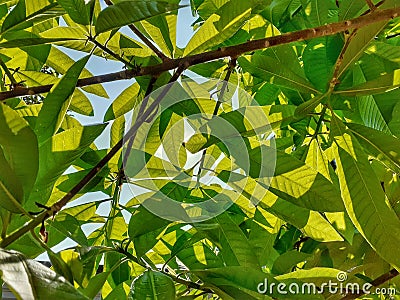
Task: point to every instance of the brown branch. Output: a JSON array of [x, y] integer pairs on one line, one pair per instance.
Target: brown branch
[[56, 207], [375, 283], [371, 5], [232, 51]]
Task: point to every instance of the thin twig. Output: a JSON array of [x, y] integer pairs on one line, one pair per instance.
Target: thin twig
[[112, 53], [232, 51]]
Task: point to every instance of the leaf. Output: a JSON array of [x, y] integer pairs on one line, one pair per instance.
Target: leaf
[[274, 72], [239, 282], [236, 249], [125, 102], [310, 222], [143, 221], [318, 12], [78, 10], [319, 57], [11, 193], [57, 154], [172, 141], [219, 27], [29, 279], [26, 12], [269, 117], [162, 30], [317, 159], [199, 256], [20, 147], [351, 9], [127, 12], [153, 285], [302, 185], [117, 131], [69, 226], [57, 102], [308, 107], [61, 62], [95, 285], [378, 144], [382, 84], [288, 260], [17, 43], [363, 196], [359, 42]]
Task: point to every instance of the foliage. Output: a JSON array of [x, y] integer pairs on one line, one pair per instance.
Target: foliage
[[331, 97]]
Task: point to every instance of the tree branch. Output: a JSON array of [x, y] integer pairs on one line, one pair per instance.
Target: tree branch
[[370, 5], [232, 51]]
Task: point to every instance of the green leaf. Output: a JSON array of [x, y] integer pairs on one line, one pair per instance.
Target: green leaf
[[302, 185], [318, 12], [17, 43], [359, 42], [269, 117], [364, 197], [238, 282], [275, 72], [153, 285], [219, 26], [308, 107], [199, 256], [378, 144], [70, 227], [128, 11], [57, 102], [20, 147], [382, 84], [95, 285], [11, 193], [61, 62], [125, 102], [235, 247], [288, 260], [26, 12], [143, 221], [78, 10], [29, 279], [351, 9], [117, 131], [310, 222], [162, 30], [57, 154], [319, 57]]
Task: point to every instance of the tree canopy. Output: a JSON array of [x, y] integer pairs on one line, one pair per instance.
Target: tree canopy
[[262, 155]]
